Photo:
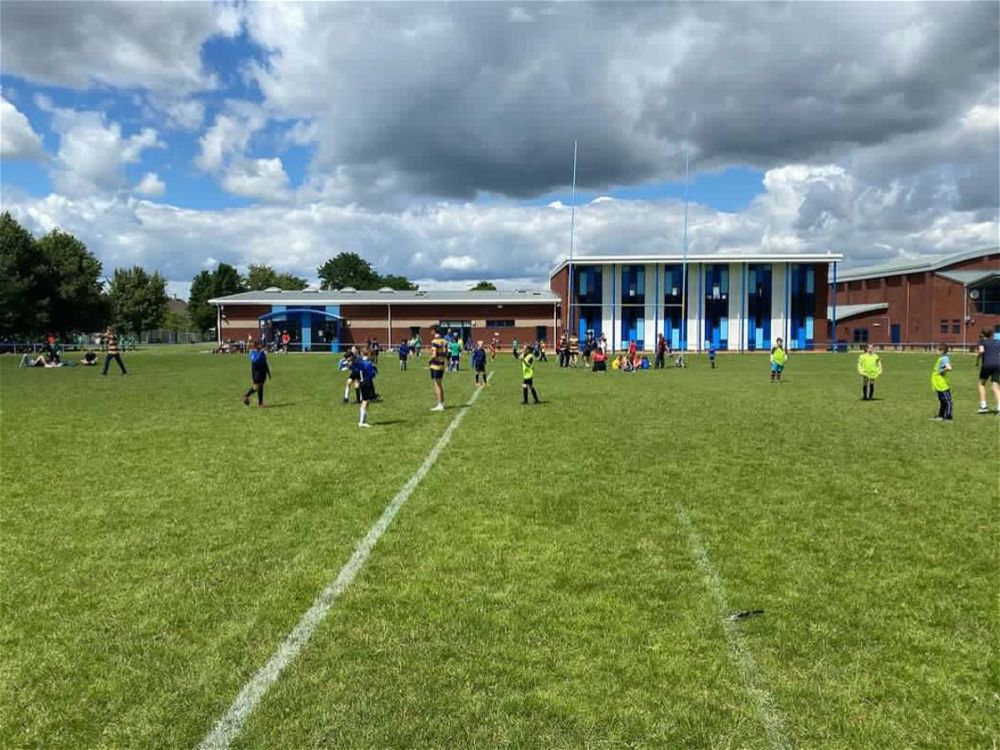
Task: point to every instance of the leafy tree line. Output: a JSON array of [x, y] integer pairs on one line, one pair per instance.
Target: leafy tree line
[[53, 284]]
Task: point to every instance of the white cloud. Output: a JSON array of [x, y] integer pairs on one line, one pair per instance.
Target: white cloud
[[18, 140], [151, 185], [178, 113], [256, 178], [92, 151], [458, 262]]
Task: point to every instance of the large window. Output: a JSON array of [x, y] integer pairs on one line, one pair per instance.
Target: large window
[[860, 335], [633, 285], [986, 298]]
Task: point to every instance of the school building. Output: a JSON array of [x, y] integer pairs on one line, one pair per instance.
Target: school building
[[333, 320], [735, 302], [948, 299]]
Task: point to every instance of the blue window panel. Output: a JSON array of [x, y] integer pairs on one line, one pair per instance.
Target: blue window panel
[[809, 329], [675, 338]]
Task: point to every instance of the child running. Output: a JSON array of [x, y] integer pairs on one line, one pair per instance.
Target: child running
[[528, 373], [778, 358], [437, 364], [869, 368], [347, 365], [988, 356], [259, 372], [941, 386], [479, 362], [364, 371]]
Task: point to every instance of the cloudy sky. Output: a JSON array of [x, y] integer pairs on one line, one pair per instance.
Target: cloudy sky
[[436, 139]]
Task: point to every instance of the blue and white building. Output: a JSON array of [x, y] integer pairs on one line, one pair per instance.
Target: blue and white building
[[735, 302]]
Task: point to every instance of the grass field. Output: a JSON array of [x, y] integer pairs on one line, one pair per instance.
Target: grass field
[[559, 579]]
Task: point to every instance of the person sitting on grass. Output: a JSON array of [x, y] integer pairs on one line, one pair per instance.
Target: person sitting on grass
[[89, 359], [869, 368], [600, 361]]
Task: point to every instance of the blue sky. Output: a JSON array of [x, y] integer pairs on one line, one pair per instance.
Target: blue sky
[[436, 139]]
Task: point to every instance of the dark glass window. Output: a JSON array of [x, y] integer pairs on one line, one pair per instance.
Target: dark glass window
[[499, 323], [860, 335]]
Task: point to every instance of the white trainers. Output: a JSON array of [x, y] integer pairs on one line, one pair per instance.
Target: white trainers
[[983, 410], [363, 424], [439, 407]]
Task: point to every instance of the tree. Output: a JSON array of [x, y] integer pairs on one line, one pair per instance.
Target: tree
[[350, 269], [484, 286], [138, 300], [207, 285], [52, 284], [73, 281], [264, 277]]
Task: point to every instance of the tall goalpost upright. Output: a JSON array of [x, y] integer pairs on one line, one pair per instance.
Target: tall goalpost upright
[[684, 264], [569, 269]]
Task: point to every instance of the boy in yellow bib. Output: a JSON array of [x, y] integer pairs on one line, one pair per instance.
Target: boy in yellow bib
[[528, 373], [869, 368], [778, 358], [941, 386]]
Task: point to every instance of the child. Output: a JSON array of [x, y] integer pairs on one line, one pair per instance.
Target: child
[[941, 386], [493, 349], [515, 346], [437, 364], [711, 354], [869, 368], [404, 353], [259, 372], [364, 371], [778, 358], [455, 352], [479, 362], [528, 374], [347, 365], [988, 357]]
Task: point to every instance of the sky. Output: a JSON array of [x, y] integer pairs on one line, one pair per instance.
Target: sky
[[436, 139]]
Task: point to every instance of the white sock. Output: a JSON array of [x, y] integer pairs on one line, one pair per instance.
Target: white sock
[[364, 414], [982, 404]]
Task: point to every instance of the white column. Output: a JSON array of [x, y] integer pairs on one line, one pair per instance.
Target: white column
[[653, 324], [695, 297], [779, 313], [607, 295], [737, 332]]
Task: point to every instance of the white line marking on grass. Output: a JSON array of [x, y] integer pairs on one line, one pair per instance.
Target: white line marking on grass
[[753, 680], [231, 723]]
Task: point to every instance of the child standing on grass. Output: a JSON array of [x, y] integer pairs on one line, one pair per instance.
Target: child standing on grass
[[941, 386], [404, 354], [479, 362], [778, 358], [437, 364], [711, 354], [528, 375], [364, 371], [869, 368], [259, 372]]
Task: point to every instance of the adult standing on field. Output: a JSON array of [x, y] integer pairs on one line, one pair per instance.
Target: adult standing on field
[[112, 352], [988, 354]]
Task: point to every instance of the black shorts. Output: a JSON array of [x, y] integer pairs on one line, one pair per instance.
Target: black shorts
[[437, 374], [480, 368], [367, 391], [989, 374], [529, 381]]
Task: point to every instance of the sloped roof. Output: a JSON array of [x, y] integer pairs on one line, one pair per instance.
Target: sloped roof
[[342, 297], [849, 311], [970, 278], [930, 263]]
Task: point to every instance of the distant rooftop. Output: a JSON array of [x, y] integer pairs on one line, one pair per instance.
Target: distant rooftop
[[922, 265], [348, 296]]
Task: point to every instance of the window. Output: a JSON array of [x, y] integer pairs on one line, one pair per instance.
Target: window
[[860, 335], [944, 326], [986, 298], [956, 326], [499, 323]]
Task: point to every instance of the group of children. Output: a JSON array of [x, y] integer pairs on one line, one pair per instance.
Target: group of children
[[362, 370]]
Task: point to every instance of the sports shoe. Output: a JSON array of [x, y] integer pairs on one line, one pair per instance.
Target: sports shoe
[[983, 410], [246, 401], [439, 407], [363, 424], [347, 401], [937, 419]]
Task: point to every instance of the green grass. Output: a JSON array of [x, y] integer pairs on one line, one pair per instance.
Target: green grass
[[537, 590]]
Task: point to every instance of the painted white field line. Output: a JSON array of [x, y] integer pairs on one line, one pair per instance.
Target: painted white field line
[[231, 723], [753, 680]]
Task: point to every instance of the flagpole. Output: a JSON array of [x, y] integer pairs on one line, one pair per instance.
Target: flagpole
[[569, 268], [684, 267]]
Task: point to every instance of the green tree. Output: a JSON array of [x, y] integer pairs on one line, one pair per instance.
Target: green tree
[[484, 286], [73, 282], [176, 321], [350, 269], [21, 269], [138, 300], [207, 285], [264, 277]]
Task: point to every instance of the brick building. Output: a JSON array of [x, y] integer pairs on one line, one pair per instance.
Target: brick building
[[917, 304], [333, 320]]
